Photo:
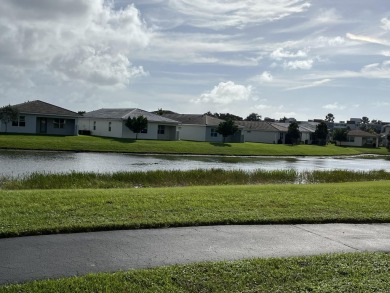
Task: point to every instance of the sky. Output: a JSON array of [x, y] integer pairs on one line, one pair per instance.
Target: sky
[[278, 58]]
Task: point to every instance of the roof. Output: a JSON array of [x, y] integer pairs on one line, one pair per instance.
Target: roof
[[257, 125], [198, 119], [361, 133], [124, 113], [42, 108], [303, 127]]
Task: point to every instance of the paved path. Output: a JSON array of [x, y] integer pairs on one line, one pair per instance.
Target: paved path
[[52, 256]]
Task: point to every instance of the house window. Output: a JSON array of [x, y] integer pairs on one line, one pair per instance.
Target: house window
[[161, 129], [145, 130], [21, 122], [59, 123], [351, 139], [109, 126], [94, 125], [214, 132]]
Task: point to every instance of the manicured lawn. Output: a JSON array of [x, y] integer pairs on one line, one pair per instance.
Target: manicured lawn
[[27, 212], [365, 272], [99, 144]]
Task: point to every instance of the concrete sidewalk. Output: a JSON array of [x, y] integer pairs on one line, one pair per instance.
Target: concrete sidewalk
[[39, 257]]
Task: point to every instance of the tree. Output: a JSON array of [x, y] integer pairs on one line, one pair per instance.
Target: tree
[[388, 142], [137, 124], [321, 133], [339, 135], [329, 117], [293, 134], [227, 116], [284, 119], [8, 114], [365, 122], [227, 128], [253, 117]]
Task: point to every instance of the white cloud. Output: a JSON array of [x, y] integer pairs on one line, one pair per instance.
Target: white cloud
[[377, 70], [385, 23], [334, 106], [262, 107], [80, 40], [226, 93], [367, 39], [312, 84], [299, 64], [266, 77], [220, 14], [386, 53], [281, 53]]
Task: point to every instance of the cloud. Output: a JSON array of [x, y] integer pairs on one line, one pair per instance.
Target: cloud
[[334, 106], [299, 64], [226, 93], [377, 70], [220, 14], [367, 39], [79, 40], [386, 23], [281, 53], [262, 107], [266, 77], [312, 84]]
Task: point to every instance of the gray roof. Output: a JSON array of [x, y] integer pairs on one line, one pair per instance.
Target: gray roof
[[197, 119], [304, 127], [257, 125], [361, 133], [124, 113], [38, 107]]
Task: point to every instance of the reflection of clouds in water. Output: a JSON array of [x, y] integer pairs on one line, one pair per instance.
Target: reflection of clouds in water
[[15, 163]]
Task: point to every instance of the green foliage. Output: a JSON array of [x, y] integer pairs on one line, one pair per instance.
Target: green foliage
[[340, 135], [28, 212], [329, 117], [293, 135], [321, 133], [137, 124], [353, 272], [8, 114], [253, 117], [227, 128]]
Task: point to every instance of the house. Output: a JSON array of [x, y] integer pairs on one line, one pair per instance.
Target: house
[[261, 131], [37, 117], [111, 123], [360, 138], [201, 127], [307, 130]]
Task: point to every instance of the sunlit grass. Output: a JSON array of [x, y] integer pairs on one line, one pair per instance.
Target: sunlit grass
[[364, 272], [27, 212], [101, 144]]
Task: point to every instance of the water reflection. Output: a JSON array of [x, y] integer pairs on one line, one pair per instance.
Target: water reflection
[[19, 163]]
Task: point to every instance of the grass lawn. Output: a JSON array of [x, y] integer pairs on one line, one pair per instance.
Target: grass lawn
[[100, 144], [364, 272], [29, 212]]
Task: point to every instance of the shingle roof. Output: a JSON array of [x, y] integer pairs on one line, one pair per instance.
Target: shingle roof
[[43, 108], [257, 125], [197, 119], [124, 113], [361, 133], [305, 127]]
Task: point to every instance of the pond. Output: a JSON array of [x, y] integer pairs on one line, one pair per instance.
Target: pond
[[20, 163]]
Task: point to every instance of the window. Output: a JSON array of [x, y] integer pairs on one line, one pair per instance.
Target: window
[[59, 123], [161, 129], [214, 132], [21, 122], [145, 130], [94, 125], [351, 139], [109, 126]]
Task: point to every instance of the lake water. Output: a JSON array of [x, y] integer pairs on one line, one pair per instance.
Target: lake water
[[20, 163]]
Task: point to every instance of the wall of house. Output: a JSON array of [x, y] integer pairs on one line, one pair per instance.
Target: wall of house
[[69, 128], [218, 138], [169, 134], [151, 134], [30, 126], [101, 127], [261, 136], [192, 132], [306, 137], [358, 141]]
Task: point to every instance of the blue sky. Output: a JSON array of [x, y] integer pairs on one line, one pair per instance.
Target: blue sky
[[293, 58]]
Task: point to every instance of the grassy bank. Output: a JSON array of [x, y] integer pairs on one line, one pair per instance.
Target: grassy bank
[[28, 212], [76, 180], [365, 272], [99, 144]]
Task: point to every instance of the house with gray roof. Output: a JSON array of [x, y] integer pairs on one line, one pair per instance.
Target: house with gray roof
[[111, 123], [307, 130], [261, 131], [202, 127], [37, 117], [360, 138]]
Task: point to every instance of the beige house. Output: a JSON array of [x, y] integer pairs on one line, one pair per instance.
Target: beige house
[[360, 138]]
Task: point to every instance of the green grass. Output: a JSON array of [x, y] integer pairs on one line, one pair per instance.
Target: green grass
[[29, 212], [100, 144], [174, 178], [364, 272]]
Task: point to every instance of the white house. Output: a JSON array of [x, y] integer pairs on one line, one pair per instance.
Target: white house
[[111, 123], [38, 117], [360, 138], [201, 127], [307, 130], [261, 131]]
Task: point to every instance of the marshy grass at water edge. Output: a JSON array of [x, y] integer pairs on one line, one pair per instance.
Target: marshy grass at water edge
[[175, 178]]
